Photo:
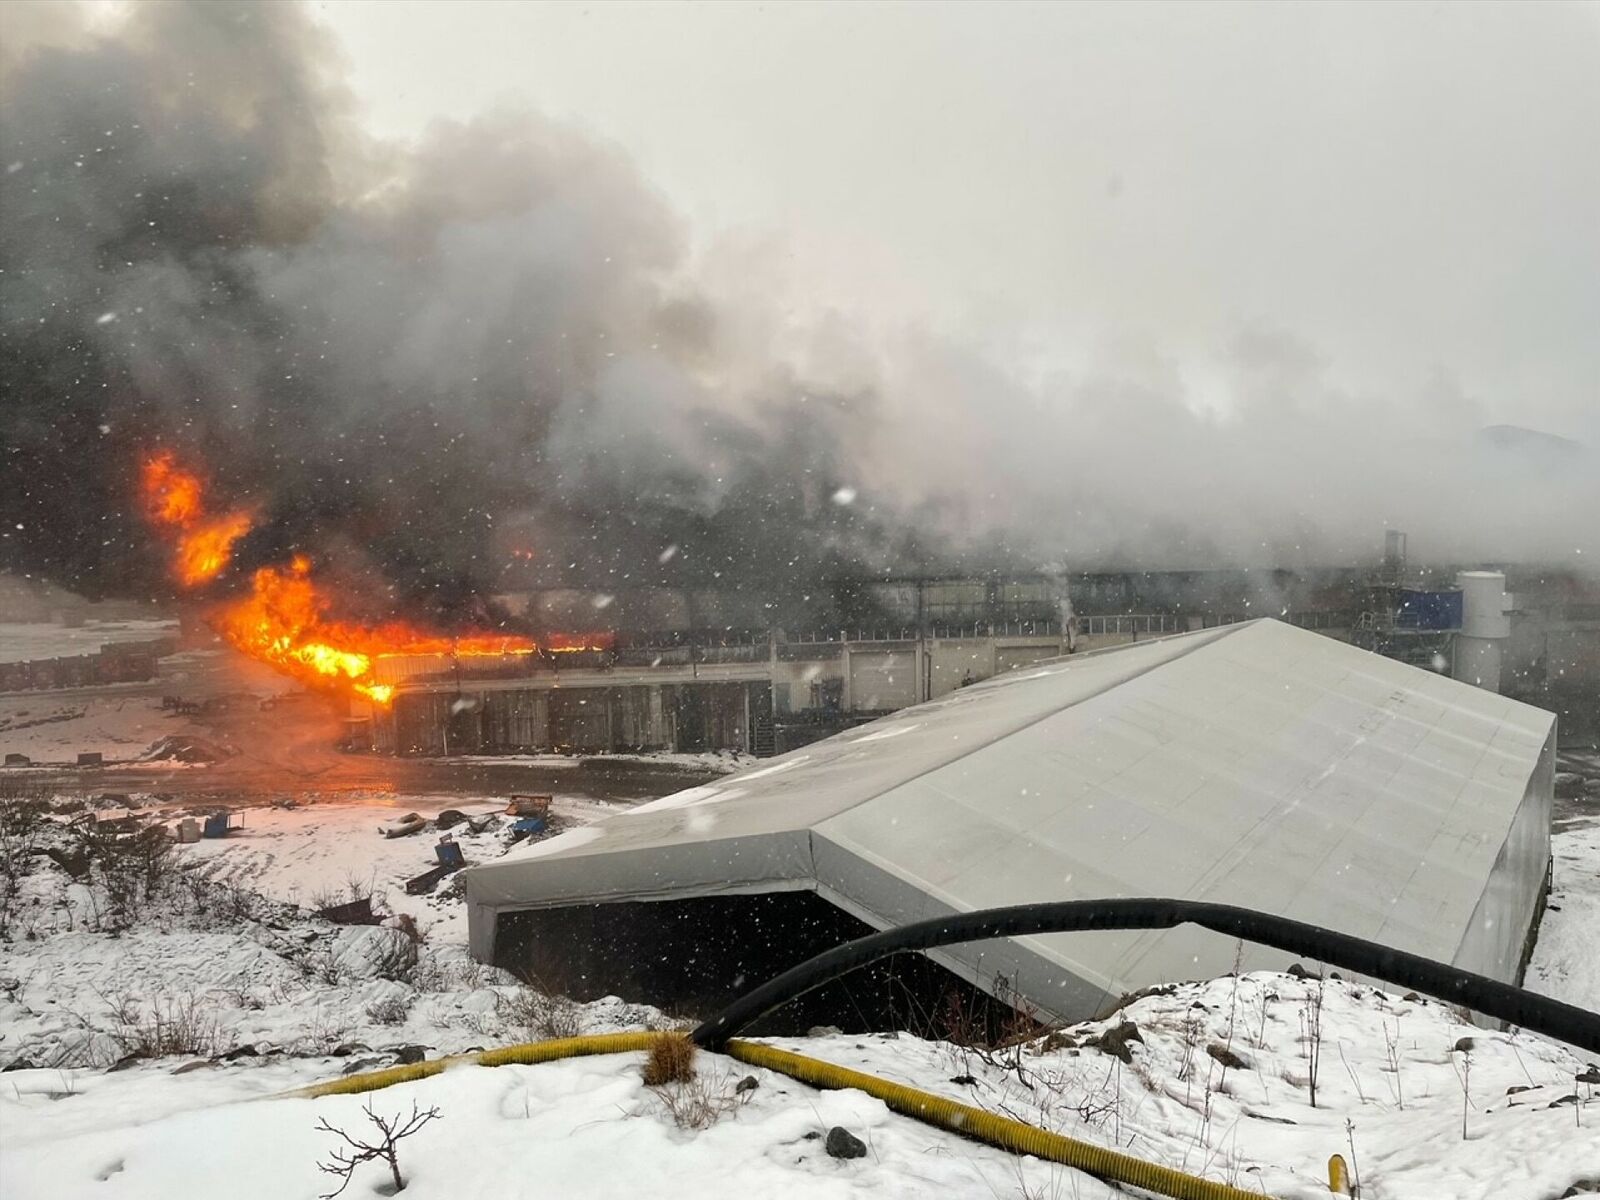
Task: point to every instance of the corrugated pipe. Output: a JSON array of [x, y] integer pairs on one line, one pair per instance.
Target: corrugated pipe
[[1501, 1001], [525, 1053], [987, 1127], [926, 1107]]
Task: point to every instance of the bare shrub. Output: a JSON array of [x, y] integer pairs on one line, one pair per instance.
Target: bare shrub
[[1018, 1028], [394, 958], [127, 869], [343, 1161], [538, 1015], [355, 889], [325, 1029], [484, 1024], [319, 966], [436, 974], [325, 898], [124, 1007], [1391, 1046], [995, 1029], [700, 1101], [22, 821], [1311, 1032], [227, 902], [1464, 1075], [670, 1059], [180, 1025], [1193, 1028], [1355, 1166], [389, 1010]]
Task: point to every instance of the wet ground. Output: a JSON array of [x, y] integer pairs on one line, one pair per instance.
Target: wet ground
[[289, 751], [379, 779], [1578, 804]]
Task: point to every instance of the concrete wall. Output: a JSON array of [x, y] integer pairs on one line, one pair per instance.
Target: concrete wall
[[691, 697], [587, 719]]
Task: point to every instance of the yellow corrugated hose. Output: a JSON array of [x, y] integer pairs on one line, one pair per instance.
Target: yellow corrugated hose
[[934, 1110], [987, 1127], [526, 1053]]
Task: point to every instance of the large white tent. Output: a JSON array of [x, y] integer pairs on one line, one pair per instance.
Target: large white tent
[[1255, 764]]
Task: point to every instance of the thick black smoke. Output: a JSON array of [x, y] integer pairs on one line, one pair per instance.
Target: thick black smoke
[[416, 361]]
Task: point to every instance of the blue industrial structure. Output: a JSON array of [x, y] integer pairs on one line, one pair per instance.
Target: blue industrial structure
[[1437, 611]]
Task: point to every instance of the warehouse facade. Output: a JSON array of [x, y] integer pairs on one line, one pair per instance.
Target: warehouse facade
[[1255, 764]]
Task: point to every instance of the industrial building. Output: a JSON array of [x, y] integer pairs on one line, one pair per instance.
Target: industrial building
[[767, 691], [761, 694], [666, 681], [1255, 764]]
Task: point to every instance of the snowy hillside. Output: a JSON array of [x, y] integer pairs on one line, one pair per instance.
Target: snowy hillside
[[1215, 1083], [225, 989]]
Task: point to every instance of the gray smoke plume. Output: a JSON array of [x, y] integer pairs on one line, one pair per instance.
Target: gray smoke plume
[[485, 353], [409, 359]]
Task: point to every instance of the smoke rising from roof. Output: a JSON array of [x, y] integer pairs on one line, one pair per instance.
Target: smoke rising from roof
[[420, 359]]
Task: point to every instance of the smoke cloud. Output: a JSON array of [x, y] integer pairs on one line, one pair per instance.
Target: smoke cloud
[[409, 358], [485, 358]]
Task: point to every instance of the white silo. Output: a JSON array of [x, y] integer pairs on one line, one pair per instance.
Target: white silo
[[1485, 625]]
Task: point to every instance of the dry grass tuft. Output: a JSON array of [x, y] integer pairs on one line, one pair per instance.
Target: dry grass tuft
[[702, 1100], [538, 1015], [669, 1060]]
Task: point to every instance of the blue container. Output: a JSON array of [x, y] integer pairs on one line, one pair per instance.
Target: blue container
[[450, 855], [1428, 610], [216, 825]]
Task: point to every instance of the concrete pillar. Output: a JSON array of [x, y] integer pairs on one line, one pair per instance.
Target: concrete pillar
[[774, 636], [659, 734]]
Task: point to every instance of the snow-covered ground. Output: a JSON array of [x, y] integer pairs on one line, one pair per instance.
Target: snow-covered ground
[[231, 929], [293, 855], [1566, 958], [58, 726], [1216, 1083], [25, 642], [1423, 1105]]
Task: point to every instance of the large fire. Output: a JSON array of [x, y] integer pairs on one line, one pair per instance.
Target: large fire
[[287, 619], [175, 501], [285, 622]]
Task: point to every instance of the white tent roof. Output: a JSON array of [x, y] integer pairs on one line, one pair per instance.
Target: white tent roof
[[1254, 764]]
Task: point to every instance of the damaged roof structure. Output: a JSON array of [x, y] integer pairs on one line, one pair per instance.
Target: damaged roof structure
[[1255, 764]]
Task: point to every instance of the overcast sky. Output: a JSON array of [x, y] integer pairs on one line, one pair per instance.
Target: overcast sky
[[1410, 191]]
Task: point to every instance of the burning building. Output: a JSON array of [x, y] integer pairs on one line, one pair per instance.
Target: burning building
[[285, 617]]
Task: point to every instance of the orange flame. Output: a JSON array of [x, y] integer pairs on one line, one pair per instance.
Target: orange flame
[[174, 499], [203, 552], [285, 620], [172, 494]]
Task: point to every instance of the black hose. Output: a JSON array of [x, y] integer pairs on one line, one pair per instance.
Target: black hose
[[1501, 1001]]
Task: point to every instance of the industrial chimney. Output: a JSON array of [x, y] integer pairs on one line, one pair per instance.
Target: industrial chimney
[[1485, 625]]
